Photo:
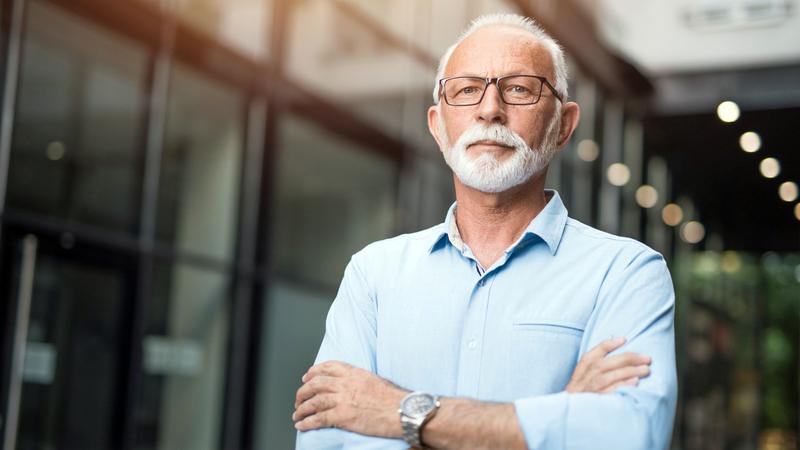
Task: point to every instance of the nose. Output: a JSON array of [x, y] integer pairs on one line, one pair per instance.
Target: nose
[[491, 109]]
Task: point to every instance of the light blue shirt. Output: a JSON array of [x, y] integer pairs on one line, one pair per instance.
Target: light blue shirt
[[416, 310]]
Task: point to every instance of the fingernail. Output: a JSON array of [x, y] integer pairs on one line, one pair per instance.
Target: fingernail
[[619, 339], [303, 378]]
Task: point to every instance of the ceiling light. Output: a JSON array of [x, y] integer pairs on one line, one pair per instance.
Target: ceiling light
[[728, 111], [672, 214], [769, 167], [646, 196], [618, 174], [750, 141], [55, 150], [588, 150], [788, 191], [693, 232]]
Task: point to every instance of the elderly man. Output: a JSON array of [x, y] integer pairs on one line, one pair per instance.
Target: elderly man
[[514, 325]]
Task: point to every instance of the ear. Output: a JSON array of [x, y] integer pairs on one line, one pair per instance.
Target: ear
[[570, 114], [433, 124]]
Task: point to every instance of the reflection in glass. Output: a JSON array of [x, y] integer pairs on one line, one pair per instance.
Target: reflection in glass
[[294, 314], [200, 169], [78, 125], [382, 77], [73, 374], [241, 24], [333, 198], [184, 355]]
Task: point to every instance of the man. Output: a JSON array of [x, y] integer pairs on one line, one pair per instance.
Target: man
[[486, 315]]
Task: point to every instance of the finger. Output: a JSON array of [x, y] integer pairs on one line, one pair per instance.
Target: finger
[[596, 354], [314, 405], [623, 360], [629, 382], [604, 348], [329, 368], [320, 420], [614, 376], [318, 385]]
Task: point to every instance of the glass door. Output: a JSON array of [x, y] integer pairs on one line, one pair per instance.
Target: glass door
[[69, 311]]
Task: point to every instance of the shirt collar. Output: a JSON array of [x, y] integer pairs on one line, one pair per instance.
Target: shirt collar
[[548, 225]]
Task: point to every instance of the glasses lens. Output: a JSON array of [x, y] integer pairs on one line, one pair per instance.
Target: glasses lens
[[521, 90], [464, 90]]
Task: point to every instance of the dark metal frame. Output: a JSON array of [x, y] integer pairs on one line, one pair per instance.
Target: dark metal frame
[[496, 81]]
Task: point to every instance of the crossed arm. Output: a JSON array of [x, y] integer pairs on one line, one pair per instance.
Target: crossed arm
[[336, 394], [615, 401]]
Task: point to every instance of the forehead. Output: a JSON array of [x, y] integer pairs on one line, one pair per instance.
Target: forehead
[[500, 50]]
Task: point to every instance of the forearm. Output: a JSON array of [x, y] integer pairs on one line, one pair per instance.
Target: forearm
[[464, 423]]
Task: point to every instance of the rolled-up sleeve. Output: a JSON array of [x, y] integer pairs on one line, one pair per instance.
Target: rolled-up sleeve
[[636, 301], [350, 336]]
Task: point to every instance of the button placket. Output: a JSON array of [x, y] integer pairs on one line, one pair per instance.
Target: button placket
[[471, 348]]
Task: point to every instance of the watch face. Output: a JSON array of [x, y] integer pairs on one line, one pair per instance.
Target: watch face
[[418, 404]]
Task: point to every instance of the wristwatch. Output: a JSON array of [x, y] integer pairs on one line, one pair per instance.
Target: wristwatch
[[415, 410]]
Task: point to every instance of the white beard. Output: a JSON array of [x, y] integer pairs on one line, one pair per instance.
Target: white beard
[[486, 173]]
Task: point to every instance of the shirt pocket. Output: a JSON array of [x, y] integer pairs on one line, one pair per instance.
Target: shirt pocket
[[544, 353]]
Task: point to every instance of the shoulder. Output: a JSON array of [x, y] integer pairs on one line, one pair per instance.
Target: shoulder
[[399, 247], [618, 257], [578, 234]]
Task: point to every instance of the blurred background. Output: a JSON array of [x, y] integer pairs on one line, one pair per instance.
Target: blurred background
[[182, 183]]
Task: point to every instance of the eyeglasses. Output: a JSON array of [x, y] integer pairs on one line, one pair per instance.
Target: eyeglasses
[[514, 89]]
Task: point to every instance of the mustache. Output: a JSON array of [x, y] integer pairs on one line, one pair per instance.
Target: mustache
[[479, 133]]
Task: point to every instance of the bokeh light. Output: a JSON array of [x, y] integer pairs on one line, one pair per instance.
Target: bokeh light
[[788, 191], [588, 150], [693, 232], [750, 141], [672, 214], [730, 262], [769, 167], [728, 111], [646, 196], [55, 150], [618, 174]]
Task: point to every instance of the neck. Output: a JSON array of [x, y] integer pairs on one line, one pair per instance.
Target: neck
[[490, 222]]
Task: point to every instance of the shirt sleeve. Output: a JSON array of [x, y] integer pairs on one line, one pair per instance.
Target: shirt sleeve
[[637, 302], [350, 336]]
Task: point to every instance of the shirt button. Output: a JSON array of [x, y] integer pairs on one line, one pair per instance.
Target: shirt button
[[472, 344]]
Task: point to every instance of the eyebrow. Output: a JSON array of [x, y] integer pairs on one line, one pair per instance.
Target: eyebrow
[[485, 77]]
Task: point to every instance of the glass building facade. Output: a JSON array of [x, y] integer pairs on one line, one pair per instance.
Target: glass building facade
[[183, 182]]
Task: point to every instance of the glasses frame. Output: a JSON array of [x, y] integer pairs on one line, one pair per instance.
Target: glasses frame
[[496, 81]]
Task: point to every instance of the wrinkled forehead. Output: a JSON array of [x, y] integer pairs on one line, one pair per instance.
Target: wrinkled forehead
[[498, 50]]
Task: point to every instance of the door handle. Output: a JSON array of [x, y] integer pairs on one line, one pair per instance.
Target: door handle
[[20, 340]]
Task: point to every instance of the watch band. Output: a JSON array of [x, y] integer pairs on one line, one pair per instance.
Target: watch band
[[412, 426], [411, 430]]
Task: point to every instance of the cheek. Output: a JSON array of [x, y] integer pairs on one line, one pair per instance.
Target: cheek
[[454, 129], [532, 129]]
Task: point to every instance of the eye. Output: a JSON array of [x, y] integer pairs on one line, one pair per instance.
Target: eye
[[469, 90], [518, 89]]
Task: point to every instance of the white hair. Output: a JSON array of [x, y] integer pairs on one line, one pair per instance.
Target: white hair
[[517, 21]]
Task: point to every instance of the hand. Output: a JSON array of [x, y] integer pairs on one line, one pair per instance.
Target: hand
[[599, 373], [337, 395]]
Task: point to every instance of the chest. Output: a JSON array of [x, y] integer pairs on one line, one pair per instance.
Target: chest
[[510, 333]]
